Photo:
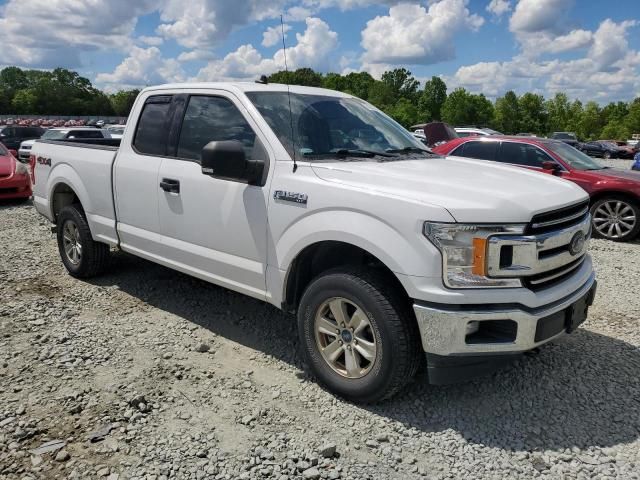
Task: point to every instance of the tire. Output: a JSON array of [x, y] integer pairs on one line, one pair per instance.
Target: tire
[[615, 218], [91, 257], [606, 155], [391, 327]]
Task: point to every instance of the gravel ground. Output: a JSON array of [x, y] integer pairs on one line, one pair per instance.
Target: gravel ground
[[149, 374]]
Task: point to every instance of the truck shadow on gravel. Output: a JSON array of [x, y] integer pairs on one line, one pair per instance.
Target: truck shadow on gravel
[[582, 391]]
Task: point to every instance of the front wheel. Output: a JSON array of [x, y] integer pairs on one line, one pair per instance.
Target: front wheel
[[616, 218], [358, 335], [81, 255]]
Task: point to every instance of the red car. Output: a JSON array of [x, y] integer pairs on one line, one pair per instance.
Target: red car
[[15, 180], [615, 194]]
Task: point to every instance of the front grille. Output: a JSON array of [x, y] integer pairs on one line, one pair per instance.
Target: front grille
[[552, 277], [558, 219]]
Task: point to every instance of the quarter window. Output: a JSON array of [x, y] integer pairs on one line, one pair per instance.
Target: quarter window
[[208, 119], [151, 133], [522, 154]]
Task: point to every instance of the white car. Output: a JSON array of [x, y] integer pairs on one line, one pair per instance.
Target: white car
[[473, 131], [389, 255]]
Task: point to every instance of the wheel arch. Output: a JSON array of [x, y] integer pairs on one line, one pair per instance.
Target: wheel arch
[[66, 188], [609, 193], [325, 255]]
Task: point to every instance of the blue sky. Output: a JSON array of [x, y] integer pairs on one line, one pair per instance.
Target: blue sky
[[589, 49]]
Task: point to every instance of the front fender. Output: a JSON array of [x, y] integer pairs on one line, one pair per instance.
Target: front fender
[[409, 253]]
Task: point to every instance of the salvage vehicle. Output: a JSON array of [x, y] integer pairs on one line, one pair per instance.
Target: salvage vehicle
[[15, 181], [24, 152], [318, 203], [11, 136], [614, 193], [606, 149]]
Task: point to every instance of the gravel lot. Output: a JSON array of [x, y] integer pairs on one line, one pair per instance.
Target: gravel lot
[[147, 373]]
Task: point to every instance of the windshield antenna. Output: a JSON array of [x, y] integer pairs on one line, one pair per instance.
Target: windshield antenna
[[286, 69]]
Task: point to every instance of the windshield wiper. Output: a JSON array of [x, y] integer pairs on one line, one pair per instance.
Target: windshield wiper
[[409, 150], [347, 152]]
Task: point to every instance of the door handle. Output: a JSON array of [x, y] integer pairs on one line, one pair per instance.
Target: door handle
[[170, 185]]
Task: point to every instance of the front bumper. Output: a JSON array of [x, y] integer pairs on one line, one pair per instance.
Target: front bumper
[[16, 186], [510, 329]]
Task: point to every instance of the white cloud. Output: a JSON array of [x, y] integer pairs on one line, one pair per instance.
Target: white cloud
[[610, 42], [313, 49], [532, 16], [608, 71], [411, 33], [53, 33], [151, 41], [499, 7], [143, 66], [273, 35]]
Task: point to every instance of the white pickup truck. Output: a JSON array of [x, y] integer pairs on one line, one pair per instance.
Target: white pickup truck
[[318, 203]]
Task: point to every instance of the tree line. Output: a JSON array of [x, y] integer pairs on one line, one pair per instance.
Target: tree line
[[58, 92], [397, 93]]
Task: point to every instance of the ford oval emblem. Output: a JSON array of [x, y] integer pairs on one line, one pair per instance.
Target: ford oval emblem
[[577, 243]]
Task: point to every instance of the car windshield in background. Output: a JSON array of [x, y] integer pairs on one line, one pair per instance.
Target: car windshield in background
[[336, 127], [573, 157], [54, 134], [491, 131]]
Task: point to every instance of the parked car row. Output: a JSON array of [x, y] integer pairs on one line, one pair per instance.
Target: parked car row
[[62, 134], [49, 123]]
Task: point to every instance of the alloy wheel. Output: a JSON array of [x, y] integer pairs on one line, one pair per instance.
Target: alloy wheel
[[345, 338], [614, 219], [71, 242]]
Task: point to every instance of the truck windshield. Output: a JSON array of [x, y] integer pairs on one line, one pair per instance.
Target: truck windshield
[[324, 126], [574, 157]]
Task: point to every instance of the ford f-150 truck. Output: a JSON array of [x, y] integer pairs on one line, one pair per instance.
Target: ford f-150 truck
[[318, 203]]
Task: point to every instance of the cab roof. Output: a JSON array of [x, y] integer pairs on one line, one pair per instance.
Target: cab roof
[[246, 87]]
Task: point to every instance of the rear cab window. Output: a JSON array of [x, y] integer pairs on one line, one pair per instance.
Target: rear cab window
[[152, 130]]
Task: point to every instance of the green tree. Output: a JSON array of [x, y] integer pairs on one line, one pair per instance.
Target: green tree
[[464, 108], [507, 116], [559, 111], [432, 98], [302, 76], [24, 102], [122, 101], [533, 114], [401, 83], [405, 112], [590, 124], [632, 120]]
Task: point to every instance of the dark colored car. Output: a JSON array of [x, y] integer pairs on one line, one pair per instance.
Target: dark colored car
[[13, 135], [606, 149], [615, 194], [566, 137], [15, 178]]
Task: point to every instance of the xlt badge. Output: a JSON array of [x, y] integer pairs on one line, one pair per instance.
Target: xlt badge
[[294, 197]]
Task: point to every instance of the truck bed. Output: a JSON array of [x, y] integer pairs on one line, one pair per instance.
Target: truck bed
[[85, 165]]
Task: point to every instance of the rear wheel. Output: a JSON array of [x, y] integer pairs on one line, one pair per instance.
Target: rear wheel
[[616, 218], [358, 335], [81, 255]]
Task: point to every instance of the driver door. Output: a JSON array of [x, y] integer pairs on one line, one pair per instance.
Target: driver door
[[213, 228]]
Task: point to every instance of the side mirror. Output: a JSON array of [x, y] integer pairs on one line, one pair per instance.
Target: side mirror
[[226, 159], [552, 166], [13, 152]]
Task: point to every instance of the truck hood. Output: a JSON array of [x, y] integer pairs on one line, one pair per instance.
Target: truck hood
[[471, 190]]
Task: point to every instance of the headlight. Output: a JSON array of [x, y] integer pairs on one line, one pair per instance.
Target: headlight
[[21, 169], [464, 251]]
